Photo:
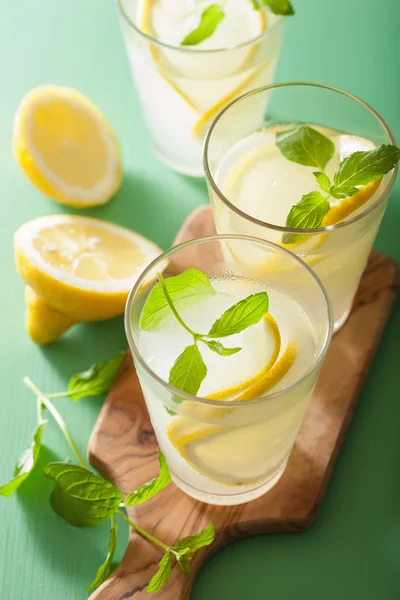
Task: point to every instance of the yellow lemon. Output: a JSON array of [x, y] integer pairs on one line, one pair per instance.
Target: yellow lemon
[[43, 323], [66, 147], [79, 266]]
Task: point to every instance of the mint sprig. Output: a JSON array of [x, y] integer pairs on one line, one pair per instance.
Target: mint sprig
[[85, 499], [278, 7], [306, 146], [189, 369], [210, 18]]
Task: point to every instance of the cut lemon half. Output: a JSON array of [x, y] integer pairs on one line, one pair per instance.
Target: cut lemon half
[[80, 266], [66, 147]]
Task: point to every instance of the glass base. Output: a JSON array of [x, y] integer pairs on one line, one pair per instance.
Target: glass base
[[341, 321], [184, 170], [239, 497]]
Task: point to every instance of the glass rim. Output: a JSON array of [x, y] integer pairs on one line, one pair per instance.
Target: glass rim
[[191, 49], [224, 403], [282, 228]]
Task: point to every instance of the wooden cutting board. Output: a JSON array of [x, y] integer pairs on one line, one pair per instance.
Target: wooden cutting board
[[124, 449]]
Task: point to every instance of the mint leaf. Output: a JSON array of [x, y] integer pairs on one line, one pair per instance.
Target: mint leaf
[[209, 21], [306, 146], [238, 317], [184, 564], [80, 497], [171, 412], [162, 575], [97, 380], [194, 542], [323, 181], [279, 7], [188, 371], [151, 488], [190, 284], [104, 571], [363, 167], [25, 464], [308, 213], [219, 348]]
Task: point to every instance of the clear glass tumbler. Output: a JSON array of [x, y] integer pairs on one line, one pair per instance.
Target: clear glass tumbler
[[182, 88], [338, 253], [230, 442]]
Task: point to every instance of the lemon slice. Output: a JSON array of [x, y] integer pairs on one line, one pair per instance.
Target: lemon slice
[[233, 391], [80, 266], [66, 147]]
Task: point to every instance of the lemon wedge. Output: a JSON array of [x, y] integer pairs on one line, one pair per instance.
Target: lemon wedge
[[79, 266], [66, 147], [43, 323]]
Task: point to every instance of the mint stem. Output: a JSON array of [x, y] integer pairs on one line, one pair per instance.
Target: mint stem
[[58, 395], [144, 533], [172, 306], [57, 417]]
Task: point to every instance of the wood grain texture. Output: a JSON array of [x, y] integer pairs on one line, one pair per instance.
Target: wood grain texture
[[123, 446]]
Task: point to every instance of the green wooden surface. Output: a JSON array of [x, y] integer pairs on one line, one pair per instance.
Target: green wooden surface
[[353, 549]]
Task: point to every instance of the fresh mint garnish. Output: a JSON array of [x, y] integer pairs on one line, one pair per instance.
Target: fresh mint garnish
[[105, 569], [210, 18], [97, 380], [363, 167], [306, 146], [25, 464], [323, 181], [194, 542], [188, 286], [85, 499], [189, 369], [240, 316], [80, 497], [278, 7], [308, 213], [151, 488], [162, 575]]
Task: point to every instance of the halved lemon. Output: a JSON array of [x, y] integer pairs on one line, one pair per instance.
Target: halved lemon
[[80, 266], [66, 147]]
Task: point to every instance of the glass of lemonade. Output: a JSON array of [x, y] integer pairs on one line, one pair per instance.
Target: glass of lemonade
[[183, 87], [253, 185], [228, 442]]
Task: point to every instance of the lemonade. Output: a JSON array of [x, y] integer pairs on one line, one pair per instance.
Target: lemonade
[[182, 87], [229, 442], [256, 187]]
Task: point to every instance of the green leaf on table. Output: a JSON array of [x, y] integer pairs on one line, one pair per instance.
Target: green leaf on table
[[97, 380], [80, 497], [241, 315], [151, 488], [191, 284], [305, 146], [306, 214], [219, 348], [363, 167], [194, 542], [323, 181], [188, 371], [105, 569], [25, 464], [162, 575], [210, 19], [278, 7]]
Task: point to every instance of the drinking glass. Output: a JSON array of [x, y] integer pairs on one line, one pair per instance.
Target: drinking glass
[[230, 450], [182, 88], [337, 253]]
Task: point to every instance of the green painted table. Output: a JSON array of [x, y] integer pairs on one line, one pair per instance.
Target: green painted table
[[353, 549]]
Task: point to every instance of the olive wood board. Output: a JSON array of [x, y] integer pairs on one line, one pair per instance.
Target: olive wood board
[[123, 446]]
